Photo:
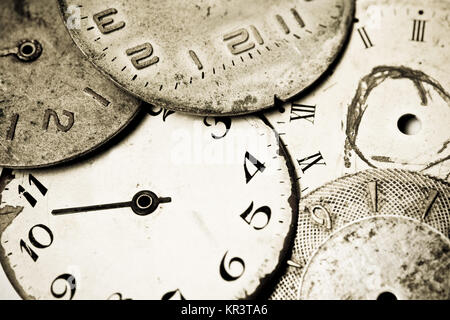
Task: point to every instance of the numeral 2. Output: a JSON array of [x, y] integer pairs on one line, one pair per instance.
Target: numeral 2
[[51, 114], [142, 56]]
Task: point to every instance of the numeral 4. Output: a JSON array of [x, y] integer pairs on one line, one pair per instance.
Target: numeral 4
[[260, 167]]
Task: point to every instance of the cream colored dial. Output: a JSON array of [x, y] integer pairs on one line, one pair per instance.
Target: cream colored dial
[[385, 104], [181, 209]]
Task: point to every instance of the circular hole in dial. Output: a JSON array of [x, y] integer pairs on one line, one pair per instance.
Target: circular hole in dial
[[144, 201], [409, 124], [27, 49], [386, 296]]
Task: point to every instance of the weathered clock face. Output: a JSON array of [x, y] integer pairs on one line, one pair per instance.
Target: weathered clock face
[[210, 57], [386, 104], [54, 105], [377, 234], [180, 209]]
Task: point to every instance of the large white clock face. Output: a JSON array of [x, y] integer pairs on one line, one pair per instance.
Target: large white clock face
[[182, 208], [386, 104]]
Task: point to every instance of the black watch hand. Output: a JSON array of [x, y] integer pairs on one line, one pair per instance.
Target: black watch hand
[[143, 203]]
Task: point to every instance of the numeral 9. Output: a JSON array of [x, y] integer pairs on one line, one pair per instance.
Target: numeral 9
[[70, 284]]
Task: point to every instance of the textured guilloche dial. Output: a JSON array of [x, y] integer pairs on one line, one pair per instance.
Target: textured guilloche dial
[[54, 105], [385, 104], [210, 57], [175, 211], [371, 235]]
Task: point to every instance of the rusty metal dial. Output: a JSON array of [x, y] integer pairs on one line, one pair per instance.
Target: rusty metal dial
[[54, 105], [377, 234], [210, 57]]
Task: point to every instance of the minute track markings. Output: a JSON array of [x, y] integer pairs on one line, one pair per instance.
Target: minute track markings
[[112, 20]]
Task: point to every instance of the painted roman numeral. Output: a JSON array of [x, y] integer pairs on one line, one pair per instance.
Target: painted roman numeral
[[365, 37], [302, 111], [418, 33], [308, 162]]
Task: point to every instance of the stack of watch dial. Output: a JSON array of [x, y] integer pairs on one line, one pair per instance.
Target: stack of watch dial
[[282, 149]]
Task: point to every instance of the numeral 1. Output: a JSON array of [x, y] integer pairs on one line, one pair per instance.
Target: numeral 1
[[418, 33], [432, 196], [373, 192], [12, 127]]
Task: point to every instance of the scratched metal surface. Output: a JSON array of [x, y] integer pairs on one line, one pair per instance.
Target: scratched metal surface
[[211, 57], [372, 232], [395, 67], [57, 106]]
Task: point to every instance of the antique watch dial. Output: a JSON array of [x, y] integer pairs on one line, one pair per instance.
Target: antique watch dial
[[183, 208], [377, 234], [210, 57], [386, 104], [54, 105]]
